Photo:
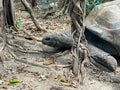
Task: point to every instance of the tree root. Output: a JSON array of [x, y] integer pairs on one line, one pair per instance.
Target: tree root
[[30, 35], [79, 51], [17, 47], [6, 44], [21, 49], [27, 62]]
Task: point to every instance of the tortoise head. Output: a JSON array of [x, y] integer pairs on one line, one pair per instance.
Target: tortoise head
[[50, 40]]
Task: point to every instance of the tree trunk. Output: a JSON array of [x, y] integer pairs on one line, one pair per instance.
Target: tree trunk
[[8, 11]]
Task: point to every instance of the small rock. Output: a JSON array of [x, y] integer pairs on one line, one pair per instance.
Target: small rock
[[56, 88], [43, 77], [1, 82]]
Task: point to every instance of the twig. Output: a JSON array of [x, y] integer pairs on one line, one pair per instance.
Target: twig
[[62, 66]]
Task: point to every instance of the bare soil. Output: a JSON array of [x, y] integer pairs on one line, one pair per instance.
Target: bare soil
[[34, 75]]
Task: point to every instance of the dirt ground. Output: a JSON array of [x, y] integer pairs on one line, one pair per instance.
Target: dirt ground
[[29, 66]]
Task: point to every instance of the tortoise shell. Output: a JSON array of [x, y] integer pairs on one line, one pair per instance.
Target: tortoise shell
[[104, 21], [105, 16]]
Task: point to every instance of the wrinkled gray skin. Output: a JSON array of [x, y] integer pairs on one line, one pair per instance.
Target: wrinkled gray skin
[[100, 50]]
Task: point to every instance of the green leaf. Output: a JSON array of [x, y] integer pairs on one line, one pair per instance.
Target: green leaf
[[19, 22], [14, 81], [11, 28]]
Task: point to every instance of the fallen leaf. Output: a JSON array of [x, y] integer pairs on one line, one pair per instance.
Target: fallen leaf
[[48, 62], [66, 24], [57, 77], [14, 81], [62, 80]]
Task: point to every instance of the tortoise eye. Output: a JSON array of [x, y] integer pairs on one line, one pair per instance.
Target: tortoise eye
[[47, 38]]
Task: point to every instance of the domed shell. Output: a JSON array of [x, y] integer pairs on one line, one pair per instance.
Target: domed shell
[[104, 16]]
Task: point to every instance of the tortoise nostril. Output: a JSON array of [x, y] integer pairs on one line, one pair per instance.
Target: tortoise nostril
[[47, 38]]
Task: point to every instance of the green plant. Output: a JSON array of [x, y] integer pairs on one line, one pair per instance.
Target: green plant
[[90, 4], [19, 22], [11, 28]]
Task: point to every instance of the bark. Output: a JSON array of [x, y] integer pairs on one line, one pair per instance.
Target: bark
[[9, 14]]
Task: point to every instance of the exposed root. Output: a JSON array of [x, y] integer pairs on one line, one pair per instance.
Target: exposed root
[[21, 49], [30, 35], [2, 49], [61, 66], [60, 54], [27, 62], [82, 67]]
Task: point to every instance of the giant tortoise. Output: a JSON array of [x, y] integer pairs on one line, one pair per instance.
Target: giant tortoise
[[102, 33]]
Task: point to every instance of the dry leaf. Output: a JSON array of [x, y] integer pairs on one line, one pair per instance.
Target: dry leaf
[[66, 24], [63, 80], [48, 62], [57, 77]]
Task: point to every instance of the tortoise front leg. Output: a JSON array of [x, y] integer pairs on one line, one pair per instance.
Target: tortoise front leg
[[101, 59]]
